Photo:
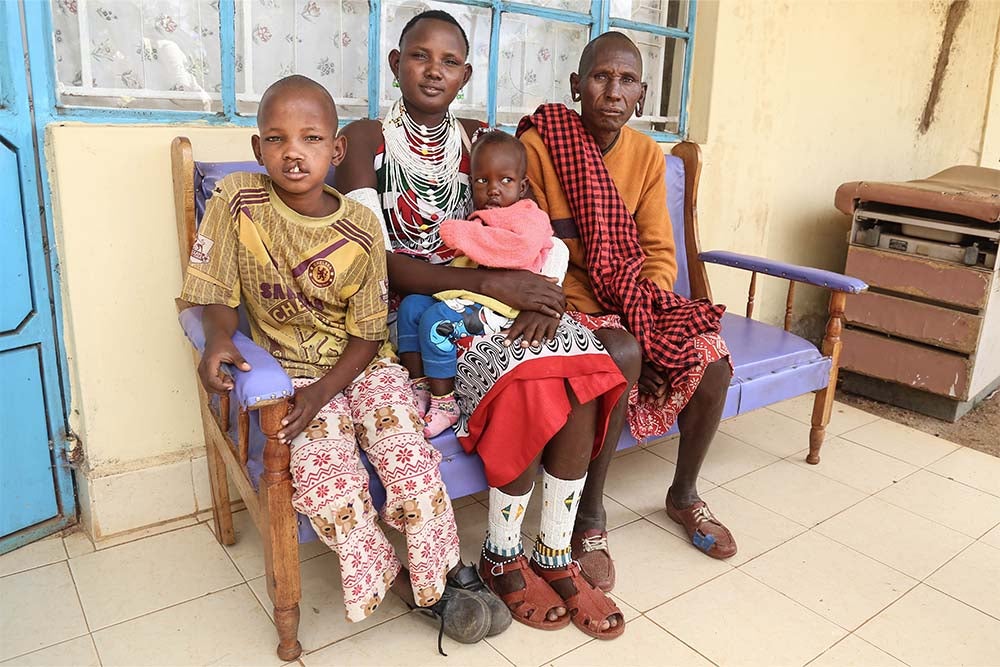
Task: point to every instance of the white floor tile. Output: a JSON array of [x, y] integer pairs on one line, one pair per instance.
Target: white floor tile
[[949, 503], [40, 608], [472, 524], [835, 582], [43, 552], [139, 577], [794, 492], [653, 566], [968, 466], [404, 641], [639, 481], [768, 430], [248, 552], [856, 466], [973, 577], [227, 627], [852, 651], [323, 619], [992, 538], [891, 535], [843, 417], [644, 643], [528, 647], [727, 458], [78, 543], [79, 652], [926, 627], [736, 620], [902, 442]]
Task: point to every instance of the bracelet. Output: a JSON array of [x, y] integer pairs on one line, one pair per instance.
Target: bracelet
[[497, 569]]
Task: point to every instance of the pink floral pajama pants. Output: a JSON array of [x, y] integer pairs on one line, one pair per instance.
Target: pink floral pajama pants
[[377, 413]]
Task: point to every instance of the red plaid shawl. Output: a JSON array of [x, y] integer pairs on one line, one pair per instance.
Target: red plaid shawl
[[663, 322]]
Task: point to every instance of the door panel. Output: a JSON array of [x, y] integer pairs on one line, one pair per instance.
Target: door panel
[[13, 258]]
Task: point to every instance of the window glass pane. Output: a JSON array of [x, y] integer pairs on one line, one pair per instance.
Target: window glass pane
[[669, 13], [536, 58], [139, 54], [325, 40], [471, 100], [662, 71]]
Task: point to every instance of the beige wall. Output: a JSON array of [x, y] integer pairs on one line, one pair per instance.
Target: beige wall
[[790, 99]]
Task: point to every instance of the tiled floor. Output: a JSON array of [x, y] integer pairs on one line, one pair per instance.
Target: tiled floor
[[886, 553]]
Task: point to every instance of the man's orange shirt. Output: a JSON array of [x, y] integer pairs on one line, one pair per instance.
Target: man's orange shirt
[[637, 167]]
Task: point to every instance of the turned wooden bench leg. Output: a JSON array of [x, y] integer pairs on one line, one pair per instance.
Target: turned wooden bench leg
[[222, 511], [823, 405], [281, 545]]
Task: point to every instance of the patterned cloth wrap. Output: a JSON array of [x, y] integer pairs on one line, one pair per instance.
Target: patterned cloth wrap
[[667, 326]]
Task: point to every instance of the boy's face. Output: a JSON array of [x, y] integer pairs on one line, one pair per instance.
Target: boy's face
[[298, 142], [498, 178], [431, 67]]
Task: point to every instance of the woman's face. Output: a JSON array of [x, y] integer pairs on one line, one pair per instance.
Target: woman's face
[[611, 90], [430, 67]]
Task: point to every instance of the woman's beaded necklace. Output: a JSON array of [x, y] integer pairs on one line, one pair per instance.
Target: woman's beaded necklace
[[422, 168]]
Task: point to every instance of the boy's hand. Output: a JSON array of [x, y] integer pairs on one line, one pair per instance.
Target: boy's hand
[[218, 351], [306, 404], [525, 290], [652, 385], [533, 327]]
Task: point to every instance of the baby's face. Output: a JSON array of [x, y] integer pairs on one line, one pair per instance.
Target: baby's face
[[498, 178]]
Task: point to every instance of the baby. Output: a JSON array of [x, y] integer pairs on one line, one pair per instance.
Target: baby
[[506, 231]]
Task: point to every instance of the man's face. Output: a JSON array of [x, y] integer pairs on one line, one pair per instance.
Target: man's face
[[611, 89]]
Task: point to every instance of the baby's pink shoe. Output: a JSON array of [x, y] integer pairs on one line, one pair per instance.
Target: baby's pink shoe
[[442, 414], [422, 393]]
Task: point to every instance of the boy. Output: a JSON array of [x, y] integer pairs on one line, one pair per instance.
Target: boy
[[310, 267], [506, 231]]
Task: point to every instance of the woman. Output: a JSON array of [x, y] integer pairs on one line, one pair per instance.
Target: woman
[[413, 167]]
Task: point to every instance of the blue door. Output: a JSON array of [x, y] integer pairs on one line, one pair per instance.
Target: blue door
[[36, 485]]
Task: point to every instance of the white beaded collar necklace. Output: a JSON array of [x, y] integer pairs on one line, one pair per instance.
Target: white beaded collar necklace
[[422, 167]]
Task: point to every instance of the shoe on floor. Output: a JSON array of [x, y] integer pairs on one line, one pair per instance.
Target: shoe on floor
[[591, 552], [705, 531]]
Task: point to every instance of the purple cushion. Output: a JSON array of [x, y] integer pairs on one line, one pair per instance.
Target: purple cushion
[[675, 206]]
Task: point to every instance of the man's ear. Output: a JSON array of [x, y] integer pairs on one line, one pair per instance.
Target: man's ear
[[641, 103], [394, 63], [255, 144], [574, 86], [339, 150]]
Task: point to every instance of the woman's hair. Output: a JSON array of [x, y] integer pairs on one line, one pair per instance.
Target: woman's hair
[[437, 15], [500, 138]]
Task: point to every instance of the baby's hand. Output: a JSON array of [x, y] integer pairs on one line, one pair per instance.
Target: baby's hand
[[533, 327], [217, 352]]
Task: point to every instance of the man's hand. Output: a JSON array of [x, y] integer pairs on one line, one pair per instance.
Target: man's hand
[[652, 385], [534, 328], [306, 404], [218, 351], [525, 290]]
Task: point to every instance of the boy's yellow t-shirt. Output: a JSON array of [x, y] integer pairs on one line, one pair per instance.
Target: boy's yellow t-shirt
[[307, 283]]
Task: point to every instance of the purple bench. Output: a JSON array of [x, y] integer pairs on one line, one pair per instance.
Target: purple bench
[[771, 364]]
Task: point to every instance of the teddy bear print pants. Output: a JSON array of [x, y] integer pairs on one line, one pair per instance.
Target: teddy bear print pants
[[376, 413]]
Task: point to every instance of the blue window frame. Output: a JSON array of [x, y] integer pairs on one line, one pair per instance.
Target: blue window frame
[[663, 29]]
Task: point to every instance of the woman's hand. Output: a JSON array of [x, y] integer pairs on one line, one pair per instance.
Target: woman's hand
[[306, 404], [533, 327], [652, 385], [525, 291]]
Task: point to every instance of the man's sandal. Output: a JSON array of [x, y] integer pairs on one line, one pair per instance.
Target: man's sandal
[[588, 607], [531, 604], [705, 531], [590, 550]]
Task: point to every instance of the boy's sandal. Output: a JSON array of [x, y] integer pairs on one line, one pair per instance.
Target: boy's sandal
[[589, 606], [531, 604], [705, 531], [590, 550]]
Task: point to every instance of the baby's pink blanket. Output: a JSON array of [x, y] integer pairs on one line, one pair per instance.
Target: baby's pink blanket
[[518, 236]]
